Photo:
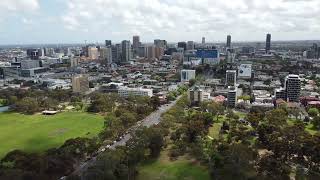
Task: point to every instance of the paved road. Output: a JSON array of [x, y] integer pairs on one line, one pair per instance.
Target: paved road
[[153, 119]]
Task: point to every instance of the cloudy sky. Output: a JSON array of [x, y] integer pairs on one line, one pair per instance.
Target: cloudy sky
[[73, 21]]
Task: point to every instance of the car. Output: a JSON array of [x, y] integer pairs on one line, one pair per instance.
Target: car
[[108, 146], [114, 142], [103, 149]]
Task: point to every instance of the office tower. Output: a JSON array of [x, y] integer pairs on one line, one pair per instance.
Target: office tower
[[142, 51], [151, 52], [136, 42], [80, 83], [187, 75], [159, 52], [160, 43], [106, 54], [182, 45], [116, 53], [49, 52], [293, 88], [33, 54], [41, 52], [190, 45], [93, 53], [231, 77], [203, 40], [125, 51], [268, 43], [229, 41], [232, 97], [108, 43]]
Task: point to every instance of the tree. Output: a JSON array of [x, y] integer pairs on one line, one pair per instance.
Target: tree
[[27, 105], [233, 161], [270, 167], [216, 109], [277, 117], [313, 112], [192, 82], [316, 122], [155, 102]]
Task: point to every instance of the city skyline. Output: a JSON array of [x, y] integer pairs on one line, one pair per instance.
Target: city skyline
[[74, 21]]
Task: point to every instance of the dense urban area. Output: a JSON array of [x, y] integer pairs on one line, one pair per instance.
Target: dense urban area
[[161, 110]]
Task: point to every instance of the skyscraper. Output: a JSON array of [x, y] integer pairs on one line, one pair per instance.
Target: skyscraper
[[203, 40], [268, 43], [231, 77], [108, 43], [126, 51], [80, 83], [93, 53], [293, 88], [182, 45], [229, 41], [190, 45], [160, 43], [106, 54], [135, 42], [151, 52]]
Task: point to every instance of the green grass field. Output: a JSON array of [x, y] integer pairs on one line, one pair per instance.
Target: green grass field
[[36, 133], [164, 169], [215, 130]]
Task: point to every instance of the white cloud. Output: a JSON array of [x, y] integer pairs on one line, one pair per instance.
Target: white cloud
[[190, 19], [19, 5]]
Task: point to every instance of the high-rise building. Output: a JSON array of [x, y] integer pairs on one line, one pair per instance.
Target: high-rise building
[[190, 45], [136, 42], [80, 83], [159, 52], [50, 52], [93, 53], [182, 45], [106, 54], [108, 43], [268, 43], [229, 41], [232, 97], [33, 54], [160, 43], [151, 52], [125, 51], [293, 88], [203, 40], [231, 77], [142, 51]]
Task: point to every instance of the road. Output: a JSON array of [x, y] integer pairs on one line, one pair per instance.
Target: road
[[153, 119]]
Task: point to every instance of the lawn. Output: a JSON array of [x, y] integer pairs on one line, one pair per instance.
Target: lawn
[[215, 130], [164, 169], [36, 133]]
